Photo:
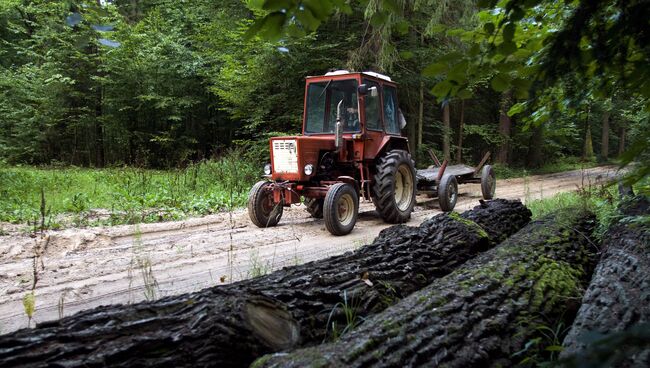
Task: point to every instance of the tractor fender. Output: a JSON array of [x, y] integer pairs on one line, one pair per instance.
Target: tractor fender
[[349, 180], [391, 142]]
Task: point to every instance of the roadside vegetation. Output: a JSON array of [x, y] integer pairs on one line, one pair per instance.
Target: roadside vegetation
[[84, 196]]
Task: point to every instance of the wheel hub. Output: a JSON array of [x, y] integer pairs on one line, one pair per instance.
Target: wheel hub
[[403, 188], [344, 209]]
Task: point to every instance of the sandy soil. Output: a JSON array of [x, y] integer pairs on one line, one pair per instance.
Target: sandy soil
[[77, 269]]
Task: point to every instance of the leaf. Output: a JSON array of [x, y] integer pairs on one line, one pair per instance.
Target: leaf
[[276, 5], [517, 108], [507, 48], [29, 303], [435, 69], [437, 28], [392, 5], [499, 83], [509, 31], [407, 55], [379, 19], [307, 19], [442, 89], [464, 94], [402, 27], [270, 27], [488, 28], [557, 348]]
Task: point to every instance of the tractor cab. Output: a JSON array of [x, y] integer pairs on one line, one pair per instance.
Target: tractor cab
[[362, 102]]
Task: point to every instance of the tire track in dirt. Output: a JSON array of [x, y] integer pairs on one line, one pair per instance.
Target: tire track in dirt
[[85, 268]]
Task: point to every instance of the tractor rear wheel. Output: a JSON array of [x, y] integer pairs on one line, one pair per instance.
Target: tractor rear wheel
[[447, 192], [341, 208], [314, 207], [488, 182], [261, 209], [394, 187]]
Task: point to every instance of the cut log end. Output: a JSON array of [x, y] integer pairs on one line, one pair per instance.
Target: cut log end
[[272, 324]]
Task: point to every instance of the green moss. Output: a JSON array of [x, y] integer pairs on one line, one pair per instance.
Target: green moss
[[481, 232], [260, 362]]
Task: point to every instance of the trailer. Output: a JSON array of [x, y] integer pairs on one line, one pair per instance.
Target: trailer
[[441, 180]]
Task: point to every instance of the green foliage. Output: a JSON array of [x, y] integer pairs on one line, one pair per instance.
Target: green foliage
[[129, 195]]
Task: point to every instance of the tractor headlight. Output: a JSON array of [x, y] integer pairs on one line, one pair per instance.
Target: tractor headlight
[[267, 169], [309, 169]]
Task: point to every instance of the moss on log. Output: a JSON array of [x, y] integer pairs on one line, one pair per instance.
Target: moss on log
[[228, 326], [617, 302], [483, 314]]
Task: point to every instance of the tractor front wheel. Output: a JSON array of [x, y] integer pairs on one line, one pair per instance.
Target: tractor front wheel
[[340, 208], [261, 209], [394, 188]]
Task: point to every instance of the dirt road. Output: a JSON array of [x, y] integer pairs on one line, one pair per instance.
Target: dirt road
[[77, 269]]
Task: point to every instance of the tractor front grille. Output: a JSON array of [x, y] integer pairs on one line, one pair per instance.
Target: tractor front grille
[[285, 156]]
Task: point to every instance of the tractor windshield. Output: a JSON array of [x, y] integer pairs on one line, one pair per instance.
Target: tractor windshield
[[322, 101]]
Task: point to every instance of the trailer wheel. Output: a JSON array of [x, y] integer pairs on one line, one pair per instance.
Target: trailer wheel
[[314, 207], [261, 209], [394, 187], [340, 208], [447, 192], [488, 182]]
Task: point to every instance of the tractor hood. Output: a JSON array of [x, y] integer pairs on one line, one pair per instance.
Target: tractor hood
[[290, 155]]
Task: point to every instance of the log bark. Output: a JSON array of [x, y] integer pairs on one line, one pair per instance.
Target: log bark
[[213, 328], [617, 300], [481, 315]]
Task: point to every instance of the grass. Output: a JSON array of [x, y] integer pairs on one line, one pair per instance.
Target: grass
[[85, 197]]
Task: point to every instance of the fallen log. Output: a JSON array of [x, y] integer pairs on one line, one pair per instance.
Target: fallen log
[[617, 301], [401, 260], [213, 328], [484, 314], [189, 330]]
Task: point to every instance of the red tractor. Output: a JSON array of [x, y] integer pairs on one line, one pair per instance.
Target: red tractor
[[351, 147]]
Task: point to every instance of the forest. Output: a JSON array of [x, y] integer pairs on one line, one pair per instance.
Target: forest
[[162, 84]]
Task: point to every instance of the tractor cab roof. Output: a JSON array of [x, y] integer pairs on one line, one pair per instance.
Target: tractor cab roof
[[341, 74]]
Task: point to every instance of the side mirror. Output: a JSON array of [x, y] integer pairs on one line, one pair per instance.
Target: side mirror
[[363, 90]]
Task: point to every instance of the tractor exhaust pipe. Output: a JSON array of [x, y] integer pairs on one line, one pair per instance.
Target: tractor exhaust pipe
[[338, 140]]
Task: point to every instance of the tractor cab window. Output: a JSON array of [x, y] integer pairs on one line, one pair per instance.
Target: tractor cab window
[[372, 108], [322, 102], [390, 110]]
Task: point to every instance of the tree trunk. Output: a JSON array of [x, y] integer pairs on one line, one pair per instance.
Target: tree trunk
[[604, 147], [535, 147], [479, 316], [400, 261], [446, 131], [618, 298], [588, 149], [213, 327], [461, 124], [621, 140], [421, 115], [505, 125]]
